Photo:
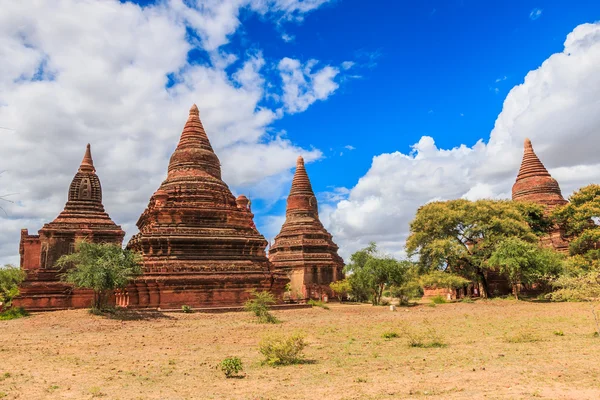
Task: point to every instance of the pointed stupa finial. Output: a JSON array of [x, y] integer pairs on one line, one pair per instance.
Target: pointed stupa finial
[[301, 182], [87, 164], [531, 164], [534, 182], [194, 154]]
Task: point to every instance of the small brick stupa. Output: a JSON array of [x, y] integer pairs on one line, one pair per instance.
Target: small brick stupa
[[535, 184], [83, 218], [199, 244], [304, 249]]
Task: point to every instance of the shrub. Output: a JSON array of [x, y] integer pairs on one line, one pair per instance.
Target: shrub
[[279, 350], [438, 300], [318, 303], [341, 288], [467, 300], [559, 333], [427, 338], [522, 336], [13, 313], [231, 366], [580, 287], [259, 306], [186, 309], [390, 335]]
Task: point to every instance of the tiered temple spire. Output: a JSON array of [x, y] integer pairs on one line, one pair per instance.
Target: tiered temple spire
[[195, 235], [534, 182], [304, 249], [83, 218]]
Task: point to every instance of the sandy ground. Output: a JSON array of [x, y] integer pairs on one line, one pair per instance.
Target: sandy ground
[[496, 349]]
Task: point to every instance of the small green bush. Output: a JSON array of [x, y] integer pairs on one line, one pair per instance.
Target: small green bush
[[559, 333], [279, 350], [186, 309], [438, 300], [231, 366], [390, 335], [259, 306], [13, 313], [467, 300], [318, 303]]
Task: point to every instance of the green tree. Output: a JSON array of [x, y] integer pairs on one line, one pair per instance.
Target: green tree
[[410, 289], [579, 220], [359, 284], [525, 263], [102, 267], [370, 273], [10, 279], [341, 288], [443, 279], [461, 235]]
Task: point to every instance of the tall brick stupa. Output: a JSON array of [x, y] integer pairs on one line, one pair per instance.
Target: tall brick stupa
[[199, 244], [304, 249], [535, 184], [83, 218]]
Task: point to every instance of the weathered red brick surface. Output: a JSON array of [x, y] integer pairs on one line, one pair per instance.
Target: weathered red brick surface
[[83, 218], [534, 183], [199, 244], [304, 249]]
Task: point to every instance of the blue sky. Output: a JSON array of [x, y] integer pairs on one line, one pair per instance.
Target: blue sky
[[437, 68], [386, 100]]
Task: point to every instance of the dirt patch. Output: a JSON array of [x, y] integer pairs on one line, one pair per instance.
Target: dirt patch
[[495, 350]]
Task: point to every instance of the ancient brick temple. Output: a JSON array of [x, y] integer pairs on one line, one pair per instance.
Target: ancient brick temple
[[83, 218], [199, 244], [304, 249], [535, 184]]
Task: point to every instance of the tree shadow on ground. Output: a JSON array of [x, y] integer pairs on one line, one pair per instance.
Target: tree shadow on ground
[[305, 361], [136, 315]]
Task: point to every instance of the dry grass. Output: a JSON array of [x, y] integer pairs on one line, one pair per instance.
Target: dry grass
[[493, 350]]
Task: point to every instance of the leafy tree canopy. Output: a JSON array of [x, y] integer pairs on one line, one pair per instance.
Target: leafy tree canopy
[[523, 262], [579, 219], [369, 273], [10, 279], [461, 235], [443, 279], [101, 267]]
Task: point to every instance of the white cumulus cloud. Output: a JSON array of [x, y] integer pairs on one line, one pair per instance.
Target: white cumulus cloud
[[117, 75], [556, 106], [302, 86]]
